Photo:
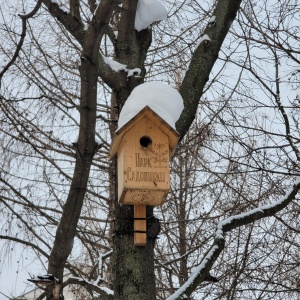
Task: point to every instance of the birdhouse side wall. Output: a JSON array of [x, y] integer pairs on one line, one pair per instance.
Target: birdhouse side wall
[[120, 170]]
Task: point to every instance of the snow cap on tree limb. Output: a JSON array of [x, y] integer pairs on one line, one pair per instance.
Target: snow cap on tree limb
[[147, 12]]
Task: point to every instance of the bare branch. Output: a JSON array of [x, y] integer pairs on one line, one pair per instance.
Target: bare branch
[[202, 271], [203, 61], [104, 292], [21, 41], [70, 22], [26, 243]]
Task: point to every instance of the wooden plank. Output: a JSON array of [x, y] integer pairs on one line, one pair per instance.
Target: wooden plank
[[140, 224], [145, 168], [136, 196]]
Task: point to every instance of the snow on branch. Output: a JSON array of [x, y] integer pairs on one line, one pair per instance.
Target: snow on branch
[[116, 67], [258, 213], [105, 292], [205, 40], [201, 272], [101, 259]]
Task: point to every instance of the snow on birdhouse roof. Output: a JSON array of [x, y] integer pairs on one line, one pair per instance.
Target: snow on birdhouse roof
[[161, 98], [159, 102]]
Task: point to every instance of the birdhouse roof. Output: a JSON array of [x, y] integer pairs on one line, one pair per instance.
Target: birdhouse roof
[[172, 134]]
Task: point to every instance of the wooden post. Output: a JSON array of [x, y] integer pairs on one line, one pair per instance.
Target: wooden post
[[140, 225]]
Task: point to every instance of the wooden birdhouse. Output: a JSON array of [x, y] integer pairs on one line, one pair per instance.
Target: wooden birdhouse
[[143, 147]]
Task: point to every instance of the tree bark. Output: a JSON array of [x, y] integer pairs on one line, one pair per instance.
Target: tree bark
[[134, 276], [133, 267], [85, 150], [203, 61]]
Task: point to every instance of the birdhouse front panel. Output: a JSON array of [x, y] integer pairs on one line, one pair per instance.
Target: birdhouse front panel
[[143, 164]]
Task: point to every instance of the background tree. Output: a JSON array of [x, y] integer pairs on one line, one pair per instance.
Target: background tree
[[68, 68]]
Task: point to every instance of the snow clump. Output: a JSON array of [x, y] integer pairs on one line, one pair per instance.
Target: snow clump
[[147, 12], [161, 98], [203, 38]]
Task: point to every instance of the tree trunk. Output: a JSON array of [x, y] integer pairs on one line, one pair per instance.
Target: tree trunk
[[85, 149], [133, 266]]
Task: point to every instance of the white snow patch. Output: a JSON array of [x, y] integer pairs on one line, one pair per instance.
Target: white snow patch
[[107, 290], [212, 19], [102, 288], [147, 12], [203, 38], [116, 66], [78, 279], [135, 72], [161, 98]]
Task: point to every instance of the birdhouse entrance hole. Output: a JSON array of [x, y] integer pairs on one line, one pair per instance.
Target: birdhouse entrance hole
[[145, 141]]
